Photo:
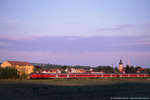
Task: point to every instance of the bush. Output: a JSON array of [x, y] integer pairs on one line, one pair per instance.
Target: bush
[[23, 76], [8, 73]]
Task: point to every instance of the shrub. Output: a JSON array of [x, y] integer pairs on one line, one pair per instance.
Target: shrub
[[8, 73]]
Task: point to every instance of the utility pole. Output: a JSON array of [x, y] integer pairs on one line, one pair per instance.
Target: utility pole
[[43, 64]]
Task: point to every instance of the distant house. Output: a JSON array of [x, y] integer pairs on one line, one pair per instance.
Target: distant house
[[139, 70], [22, 67], [80, 71], [68, 70], [92, 70], [45, 71], [101, 71], [73, 70], [55, 70], [50, 71]]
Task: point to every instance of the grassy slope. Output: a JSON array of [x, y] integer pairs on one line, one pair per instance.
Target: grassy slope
[[80, 89]]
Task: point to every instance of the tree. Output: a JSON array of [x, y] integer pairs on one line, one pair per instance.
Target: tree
[[8, 73], [23, 76], [97, 69], [108, 69], [64, 67], [141, 69], [37, 69], [148, 70], [116, 70], [137, 67], [132, 70], [127, 69]]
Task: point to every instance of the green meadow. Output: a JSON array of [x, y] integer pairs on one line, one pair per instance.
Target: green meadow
[[75, 89]]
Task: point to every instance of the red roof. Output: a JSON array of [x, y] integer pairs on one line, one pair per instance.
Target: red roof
[[101, 71], [54, 70], [20, 63], [141, 69], [82, 70]]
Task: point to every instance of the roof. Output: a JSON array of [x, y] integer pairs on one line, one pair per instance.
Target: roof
[[120, 62], [54, 70], [141, 69], [20, 63], [82, 70]]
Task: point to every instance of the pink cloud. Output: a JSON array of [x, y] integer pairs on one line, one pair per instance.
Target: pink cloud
[[19, 38], [9, 37]]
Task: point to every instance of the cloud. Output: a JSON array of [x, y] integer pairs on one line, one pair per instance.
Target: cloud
[[40, 37], [19, 38], [90, 50], [6, 20], [109, 29], [8, 38], [4, 44], [79, 44], [136, 43], [126, 25], [118, 27], [137, 40], [71, 39]]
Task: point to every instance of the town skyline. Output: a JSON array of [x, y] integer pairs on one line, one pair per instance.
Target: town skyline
[[75, 32], [123, 62]]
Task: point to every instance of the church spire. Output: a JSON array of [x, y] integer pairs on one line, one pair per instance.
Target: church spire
[[120, 63], [120, 66]]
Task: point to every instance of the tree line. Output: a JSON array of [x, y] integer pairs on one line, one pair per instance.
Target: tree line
[[127, 69], [105, 69]]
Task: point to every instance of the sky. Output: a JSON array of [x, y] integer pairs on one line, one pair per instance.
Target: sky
[[76, 32]]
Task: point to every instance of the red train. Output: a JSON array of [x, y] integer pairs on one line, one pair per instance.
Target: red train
[[84, 75]]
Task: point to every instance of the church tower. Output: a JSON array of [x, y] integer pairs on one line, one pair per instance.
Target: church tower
[[120, 65]]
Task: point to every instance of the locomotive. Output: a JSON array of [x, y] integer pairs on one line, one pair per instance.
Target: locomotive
[[83, 75]]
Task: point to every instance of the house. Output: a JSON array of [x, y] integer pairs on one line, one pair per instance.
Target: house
[[45, 71], [73, 70], [80, 71], [50, 71], [68, 70], [55, 70], [101, 71], [139, 70], [92, 70], [22, 67]]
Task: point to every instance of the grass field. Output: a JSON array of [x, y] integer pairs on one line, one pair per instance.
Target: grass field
[[74, 89]]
